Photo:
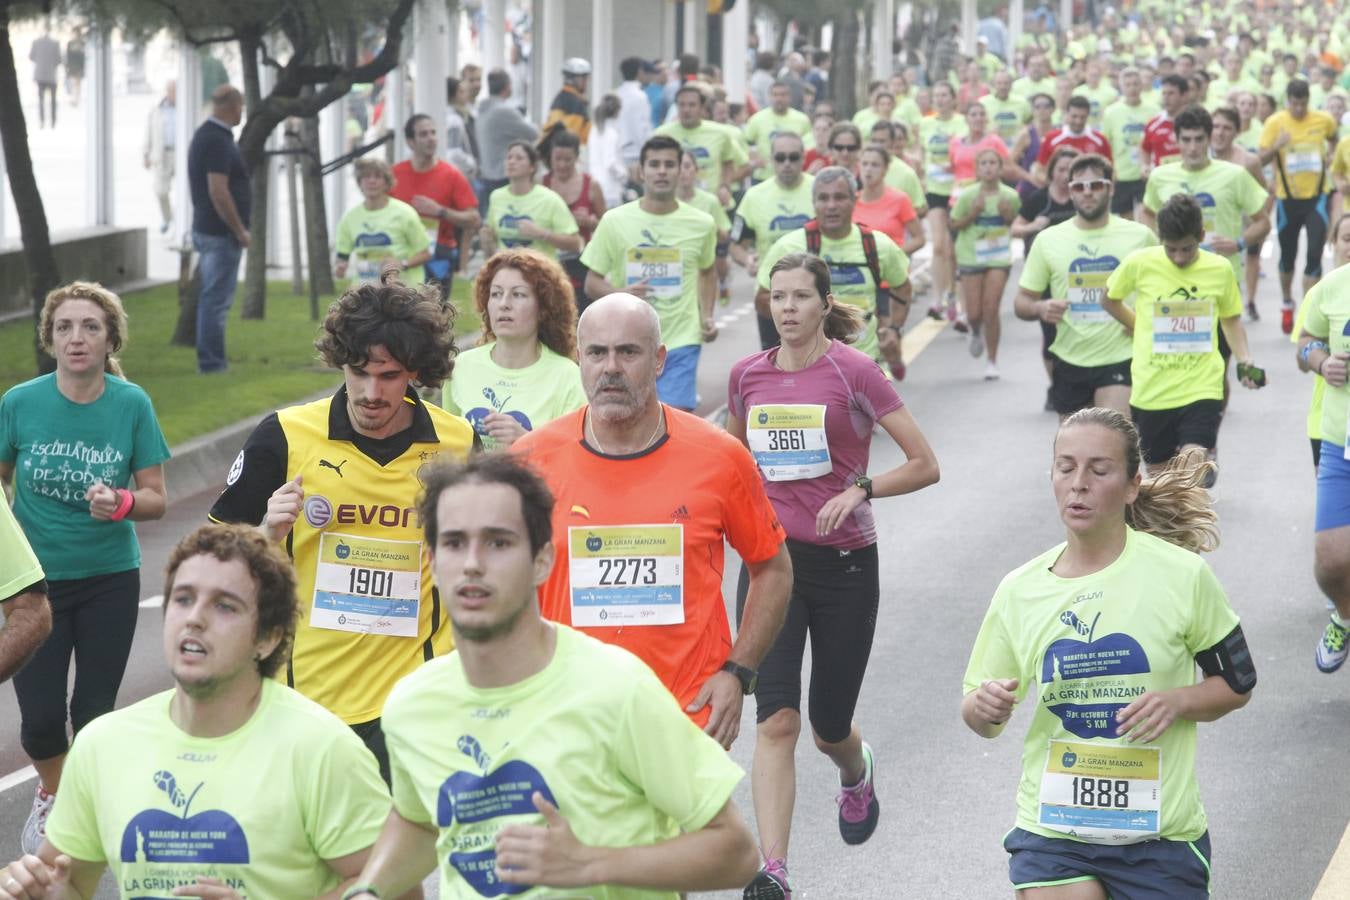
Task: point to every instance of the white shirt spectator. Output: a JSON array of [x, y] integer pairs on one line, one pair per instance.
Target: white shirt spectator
[[606, 164], [635, 121]]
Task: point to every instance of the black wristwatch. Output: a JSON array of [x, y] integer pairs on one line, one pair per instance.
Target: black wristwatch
[[865, 483], [748, 678]]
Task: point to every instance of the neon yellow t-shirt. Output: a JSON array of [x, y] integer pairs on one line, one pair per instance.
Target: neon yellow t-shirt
[[1074, 263], [935, 136], [1085, 648], [1327, 314], [261, 808], [901, 176], [1319, 391], [19, 567], [768, 211], [666, 251], [1099, 98], [1028, 87], [987, 241], [367, 236], [1340, 160], [850, 278], [543, 207], [1123, 126], [533, 396], [594, 731], [766, 125], [708, 203], [711, 145], [1225, 191], [1303, 159], [1176, 329], [1006, 117]]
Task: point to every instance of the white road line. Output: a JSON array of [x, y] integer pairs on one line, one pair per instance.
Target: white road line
[[14, 779], [1337, 876], [148, 602]]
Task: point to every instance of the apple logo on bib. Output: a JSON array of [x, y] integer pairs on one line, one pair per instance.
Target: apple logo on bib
[[478, 802], [181, 836], [764, 418], [593, 543]]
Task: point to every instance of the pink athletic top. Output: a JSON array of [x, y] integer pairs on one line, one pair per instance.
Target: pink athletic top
[[963, 155], [855, 395]]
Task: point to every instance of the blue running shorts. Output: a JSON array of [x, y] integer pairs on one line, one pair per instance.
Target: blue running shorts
[[1149, 870], [1333, 488], [678, 382]]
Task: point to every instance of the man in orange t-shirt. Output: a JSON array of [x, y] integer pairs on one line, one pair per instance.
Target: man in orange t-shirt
[[644, 495]]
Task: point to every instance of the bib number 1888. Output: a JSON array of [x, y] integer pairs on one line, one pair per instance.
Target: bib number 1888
[[1103, 793]]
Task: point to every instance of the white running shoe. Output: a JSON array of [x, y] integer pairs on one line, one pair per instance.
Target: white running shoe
[[990, 371], [976, 344], [35, 829]]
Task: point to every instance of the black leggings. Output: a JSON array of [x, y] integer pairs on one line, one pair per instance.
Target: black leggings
[[95, 619], [1293, 215], [834, 597]]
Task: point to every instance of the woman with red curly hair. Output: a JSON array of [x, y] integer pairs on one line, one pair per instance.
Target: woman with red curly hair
[[523, 373]]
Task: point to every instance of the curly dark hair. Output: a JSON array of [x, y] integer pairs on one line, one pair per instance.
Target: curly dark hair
[[412, 323], [552, 289], [272, 574]]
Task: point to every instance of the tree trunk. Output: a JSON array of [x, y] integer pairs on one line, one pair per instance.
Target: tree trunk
[[255, 264], [316, 209], [844, 72], [189, 287], [255, 159], [38, 257]]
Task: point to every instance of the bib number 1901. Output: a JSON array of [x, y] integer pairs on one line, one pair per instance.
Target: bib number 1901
[[1103, 793], [371, 582]]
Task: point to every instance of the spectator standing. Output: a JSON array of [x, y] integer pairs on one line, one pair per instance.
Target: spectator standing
[[461, 149], [158, 146], [45, 55], [817, 77], [655, 90], [75, 66], [607, 165], [763, 78], [499, 123], [221, 204], [634, 124], [569, 108]]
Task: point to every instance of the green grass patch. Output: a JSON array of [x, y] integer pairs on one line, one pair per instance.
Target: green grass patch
[[272, 361]]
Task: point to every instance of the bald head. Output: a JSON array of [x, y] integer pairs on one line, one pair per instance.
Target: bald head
[[227, 104], [621, 357], [624, 316]]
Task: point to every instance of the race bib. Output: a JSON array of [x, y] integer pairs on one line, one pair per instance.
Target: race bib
[[432, 231], [1102, 794], [1303, 158], [621, 575], [938, 174], [994, 250], [367, 269], [788, 441], [367, 585], [1087, 290], [661, 267], [1183, 326]]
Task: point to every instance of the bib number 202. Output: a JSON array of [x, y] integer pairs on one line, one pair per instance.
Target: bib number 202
[[1103, 793]]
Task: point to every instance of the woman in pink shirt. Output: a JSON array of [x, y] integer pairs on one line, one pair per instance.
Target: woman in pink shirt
[[881, 207], [964, 150]]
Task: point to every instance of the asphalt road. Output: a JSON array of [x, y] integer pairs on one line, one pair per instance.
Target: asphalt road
[[1268, 773]]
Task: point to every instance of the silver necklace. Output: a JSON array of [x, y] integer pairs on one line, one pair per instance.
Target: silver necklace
[[651, 440]]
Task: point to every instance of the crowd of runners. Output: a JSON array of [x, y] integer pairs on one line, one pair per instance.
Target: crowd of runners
[[466, 614]]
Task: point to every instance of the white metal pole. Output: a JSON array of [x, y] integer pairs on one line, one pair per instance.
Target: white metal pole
[[187, 116], [883, 36], [736, 51], [602, 49], [433, 58], [549, 40], [98, 129], [1016, 18]]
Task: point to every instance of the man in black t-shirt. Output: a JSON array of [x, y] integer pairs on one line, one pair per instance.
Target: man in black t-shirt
[[220, 210]]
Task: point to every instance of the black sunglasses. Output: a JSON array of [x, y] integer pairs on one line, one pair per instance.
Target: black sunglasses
[[843, 148], [787, 157]]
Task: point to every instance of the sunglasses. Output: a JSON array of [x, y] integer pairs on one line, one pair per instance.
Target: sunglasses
[[1096, 184], [787, 157], [1043, 106], [843, 148]]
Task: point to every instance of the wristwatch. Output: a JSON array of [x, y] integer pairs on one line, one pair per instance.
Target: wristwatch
[[865, 483], [748, 678]]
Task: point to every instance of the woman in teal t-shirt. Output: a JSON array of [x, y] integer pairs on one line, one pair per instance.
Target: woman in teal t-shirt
[[1100, 637], [84, 453], [524, 371], [527, 214]]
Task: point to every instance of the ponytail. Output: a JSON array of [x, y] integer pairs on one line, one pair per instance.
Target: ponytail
[[1174, 504]]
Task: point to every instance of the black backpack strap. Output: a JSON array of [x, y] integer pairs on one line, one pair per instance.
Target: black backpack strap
[[812, 229], [869, 244]]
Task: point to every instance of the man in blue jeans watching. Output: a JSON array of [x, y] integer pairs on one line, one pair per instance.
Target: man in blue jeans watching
[[220, 210]]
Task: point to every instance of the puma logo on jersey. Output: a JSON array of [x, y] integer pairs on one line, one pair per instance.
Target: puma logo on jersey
[[325, 464]]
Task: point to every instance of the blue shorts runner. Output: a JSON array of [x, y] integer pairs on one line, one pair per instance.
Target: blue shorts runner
[[1149, 870], [678, 382], [1333, 488]]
